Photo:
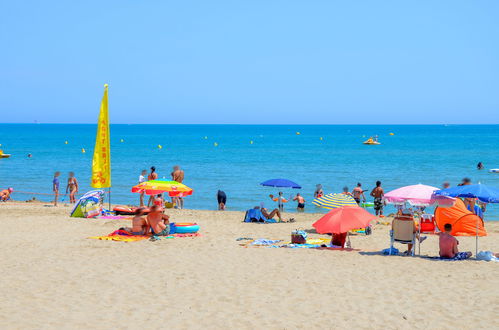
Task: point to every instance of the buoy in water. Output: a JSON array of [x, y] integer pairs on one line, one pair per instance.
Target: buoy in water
[[215, 144], [321, 138], [83, 150], [122, 140], [160, 146], [65, 142], [251, 142], [392, 134], [298, 133], [206, 138]]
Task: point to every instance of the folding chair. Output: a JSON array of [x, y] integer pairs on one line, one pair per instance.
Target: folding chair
[[403, 232]]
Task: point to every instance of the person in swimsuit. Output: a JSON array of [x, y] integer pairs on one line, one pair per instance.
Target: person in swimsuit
[[178, 175], [378, 194], [468, 202], [448, 245], [301, 203], [158, 200], [139, 224], [72, 187], [357, 193], [222, 200], [5, 194], [55, 187], [142, 178], [159, 222], [318, 191], [280, 201], [152, 176], [480, 166], [346, 192]]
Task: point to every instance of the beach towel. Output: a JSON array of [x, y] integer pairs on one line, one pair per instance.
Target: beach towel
[[486, 256], [121, 235], [114, 217], [256, 215], [459, 256]]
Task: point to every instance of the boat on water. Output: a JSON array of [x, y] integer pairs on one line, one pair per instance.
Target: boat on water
[[372, 141], [494, 170], [2, 155]]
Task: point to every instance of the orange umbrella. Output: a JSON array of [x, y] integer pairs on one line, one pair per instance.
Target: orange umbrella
[[343, 219]]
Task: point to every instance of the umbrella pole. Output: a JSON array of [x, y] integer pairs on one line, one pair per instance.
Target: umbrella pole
[[476, 238]]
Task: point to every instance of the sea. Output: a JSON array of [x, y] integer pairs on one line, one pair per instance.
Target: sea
[[237, 158]]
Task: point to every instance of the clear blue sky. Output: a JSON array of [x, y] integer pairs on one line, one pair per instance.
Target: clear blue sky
[[325, 62]]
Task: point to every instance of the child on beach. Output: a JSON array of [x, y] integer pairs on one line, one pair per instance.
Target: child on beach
[[55, 187], [280, 201]]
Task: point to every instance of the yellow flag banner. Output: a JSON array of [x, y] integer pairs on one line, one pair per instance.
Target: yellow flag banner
[[101, 164]]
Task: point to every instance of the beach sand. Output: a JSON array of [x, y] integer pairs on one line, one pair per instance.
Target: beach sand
[[53, 276]]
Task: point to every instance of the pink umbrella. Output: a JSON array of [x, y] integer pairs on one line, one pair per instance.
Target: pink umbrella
[[419, 194]]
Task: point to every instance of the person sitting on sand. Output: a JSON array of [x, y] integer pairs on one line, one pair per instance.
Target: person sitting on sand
[[158, 200], [139, 223], [5, 194], [301, 203], [159, 222], [448, 245], [357, 193], [378, 194]]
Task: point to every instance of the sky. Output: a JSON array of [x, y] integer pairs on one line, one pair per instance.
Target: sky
[[251, 62]]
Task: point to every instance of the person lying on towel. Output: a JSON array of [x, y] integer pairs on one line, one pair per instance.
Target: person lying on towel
[[448, 245]]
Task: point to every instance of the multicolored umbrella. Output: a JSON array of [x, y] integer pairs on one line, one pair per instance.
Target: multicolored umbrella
[[343, 219], [331, 201], [155, 187], [417, 195]]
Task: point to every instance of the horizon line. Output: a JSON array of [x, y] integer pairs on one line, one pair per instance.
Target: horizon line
[[251, 124]]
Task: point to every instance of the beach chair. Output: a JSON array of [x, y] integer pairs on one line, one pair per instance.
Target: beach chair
[[428, 224], [403, 231]]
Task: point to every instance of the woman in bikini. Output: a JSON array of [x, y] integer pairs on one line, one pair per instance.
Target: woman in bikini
[[72, 187]]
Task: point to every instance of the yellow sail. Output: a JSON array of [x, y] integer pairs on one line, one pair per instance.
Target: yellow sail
[[101, 164]]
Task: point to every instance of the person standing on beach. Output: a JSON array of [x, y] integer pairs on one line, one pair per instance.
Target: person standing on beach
[[72, 187], [142, 178], [378, 194], [221, 199], [55, 187], [178, 175], [301, 203], [152, 176], [357, 193]]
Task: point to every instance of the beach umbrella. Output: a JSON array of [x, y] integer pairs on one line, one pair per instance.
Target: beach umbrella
[[331, 201], [155, 187], [482, 192], [418, 195], [343, 219], [281, 183]]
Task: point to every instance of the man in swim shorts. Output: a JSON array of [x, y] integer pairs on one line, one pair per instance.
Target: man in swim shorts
[[378, 194], [221, 199], [357, 193], [448, 245], [159, 222], [178, 175], [301, 203]]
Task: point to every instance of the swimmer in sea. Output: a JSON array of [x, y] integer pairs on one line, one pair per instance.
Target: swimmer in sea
[[318, 191], [72, 187], [357, 193], [480, 166]]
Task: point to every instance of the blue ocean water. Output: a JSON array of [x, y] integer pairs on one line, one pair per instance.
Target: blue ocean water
[[414, 154]]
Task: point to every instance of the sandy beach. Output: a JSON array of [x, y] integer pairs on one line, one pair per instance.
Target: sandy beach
[[53, 276]]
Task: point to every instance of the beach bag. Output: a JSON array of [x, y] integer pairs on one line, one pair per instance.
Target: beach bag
[[298, 236]]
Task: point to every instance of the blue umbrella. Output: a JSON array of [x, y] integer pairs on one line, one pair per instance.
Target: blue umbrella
[[484, 193], [281, 183]]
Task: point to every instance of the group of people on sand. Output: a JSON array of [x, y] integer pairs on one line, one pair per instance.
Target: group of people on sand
[[156, 222], [71, 187], [177, 175]]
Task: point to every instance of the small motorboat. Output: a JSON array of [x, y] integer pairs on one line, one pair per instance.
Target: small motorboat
[[2, 155], [371, 141], [494, 170]]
